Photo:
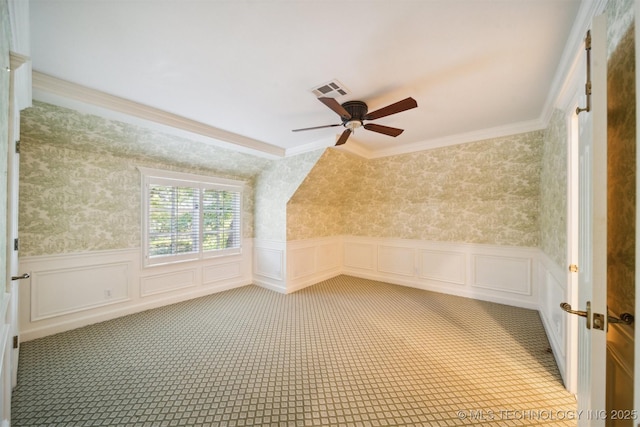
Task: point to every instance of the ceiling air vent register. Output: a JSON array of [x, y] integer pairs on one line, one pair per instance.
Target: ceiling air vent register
[[332, 89]]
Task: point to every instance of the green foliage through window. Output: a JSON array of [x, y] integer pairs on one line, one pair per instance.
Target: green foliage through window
[[186, 220]]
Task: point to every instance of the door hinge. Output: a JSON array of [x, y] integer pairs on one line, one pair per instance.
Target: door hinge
[[15, 341], [16, 245], [18, 147], [573, 268]]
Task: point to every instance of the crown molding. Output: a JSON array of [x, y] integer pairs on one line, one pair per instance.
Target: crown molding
[[462, 138], [357, 149], [61, 92], [312, 146]]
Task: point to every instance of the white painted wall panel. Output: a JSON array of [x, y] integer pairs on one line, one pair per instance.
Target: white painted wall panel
[[557, 317], [487, 272], [166, 282], [62, 291], [360, 255], [501, 273], [443, 266], [269, 263], [328, 256], [396, 260], [221, 272], [311, 261], [68, 291], [302, 261]]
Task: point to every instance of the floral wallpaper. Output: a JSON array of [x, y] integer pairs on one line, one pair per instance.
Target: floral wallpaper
[[79, 183], [553, 195], [317, 207], [480, 192], [275, 186], [80, 189], [5, 36], [85, 132]]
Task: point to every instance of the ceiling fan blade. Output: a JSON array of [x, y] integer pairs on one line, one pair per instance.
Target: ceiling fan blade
[[343, 138], [316, 127], [405, 104], [336, 107], [383, 129]]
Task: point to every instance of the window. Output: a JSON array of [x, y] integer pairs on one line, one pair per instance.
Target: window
[[189, 217]]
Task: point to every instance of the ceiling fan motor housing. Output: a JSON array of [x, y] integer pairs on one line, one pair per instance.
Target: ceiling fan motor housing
[[357, 109]]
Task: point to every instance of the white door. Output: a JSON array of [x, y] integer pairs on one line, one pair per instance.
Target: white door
[[9, 367], [592, 235], [13, 163]]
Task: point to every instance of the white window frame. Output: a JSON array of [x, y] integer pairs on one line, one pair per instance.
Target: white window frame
[[156, 176]]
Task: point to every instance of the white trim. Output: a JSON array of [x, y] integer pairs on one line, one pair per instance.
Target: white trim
[[21, 45], [462, 138], [312, 146], [61, 92], [201, 182], [358, 149], [222, 183]]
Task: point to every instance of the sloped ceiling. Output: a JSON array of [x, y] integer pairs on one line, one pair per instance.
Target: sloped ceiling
[[241, 72]]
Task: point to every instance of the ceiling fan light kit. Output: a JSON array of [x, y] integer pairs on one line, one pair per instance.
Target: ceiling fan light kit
[[354, 113]]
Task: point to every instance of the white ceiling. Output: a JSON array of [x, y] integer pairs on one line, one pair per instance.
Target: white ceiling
[[475, 67]]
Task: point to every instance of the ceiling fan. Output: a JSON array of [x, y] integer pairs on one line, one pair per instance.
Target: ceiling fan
[[353, 113]]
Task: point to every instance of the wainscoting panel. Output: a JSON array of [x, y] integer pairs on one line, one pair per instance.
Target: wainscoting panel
[[73, 290], [58, 292], [167, 282], [360, 255], [329, 255], [302, 262], [396, 260], [443, 266], [269, 264], [503, 274], [553, 290], [312, 261], [217, 273], [62, 291], [493, 273]]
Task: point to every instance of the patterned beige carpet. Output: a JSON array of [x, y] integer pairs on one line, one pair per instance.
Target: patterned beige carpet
[[346, 351]]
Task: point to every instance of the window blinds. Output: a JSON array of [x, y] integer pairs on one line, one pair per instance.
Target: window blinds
[[190, 219]]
